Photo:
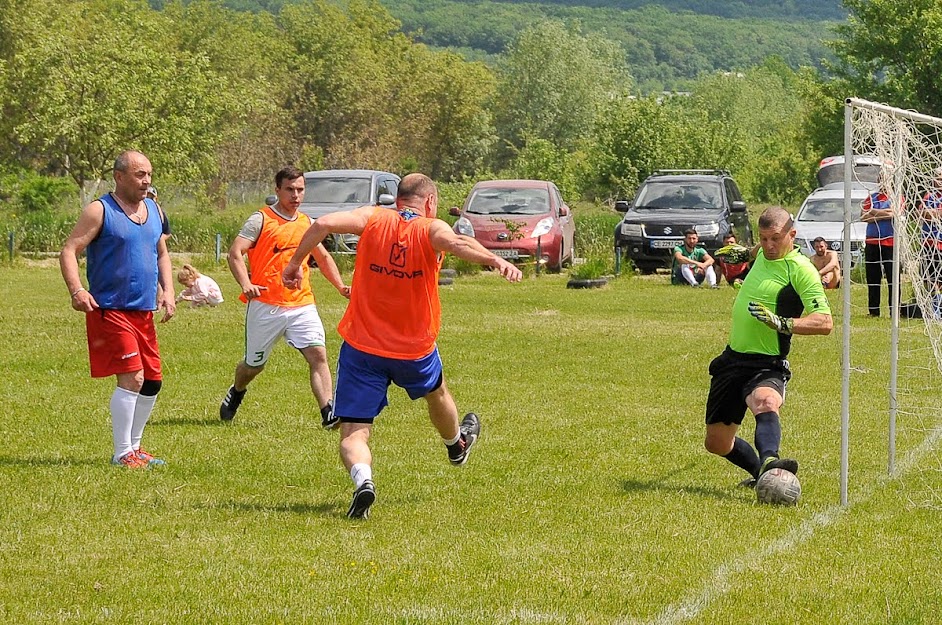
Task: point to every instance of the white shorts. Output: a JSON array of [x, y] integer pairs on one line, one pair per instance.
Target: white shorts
[[264, 324]]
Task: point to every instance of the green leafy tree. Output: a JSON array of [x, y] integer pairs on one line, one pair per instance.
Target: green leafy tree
[[891, 51], [553, 82], [88, 79]]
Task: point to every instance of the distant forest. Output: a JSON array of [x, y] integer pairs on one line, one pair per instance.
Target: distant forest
[[668, 44]]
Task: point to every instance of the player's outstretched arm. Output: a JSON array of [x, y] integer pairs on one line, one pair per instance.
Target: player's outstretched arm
[[444, 239], [86, 229], [346, 222]]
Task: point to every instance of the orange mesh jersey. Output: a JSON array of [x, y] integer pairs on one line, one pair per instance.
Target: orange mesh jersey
[[275, 246], [394, 309]]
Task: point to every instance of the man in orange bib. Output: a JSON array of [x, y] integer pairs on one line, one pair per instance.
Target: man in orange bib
[[392, 322], [269, 237]]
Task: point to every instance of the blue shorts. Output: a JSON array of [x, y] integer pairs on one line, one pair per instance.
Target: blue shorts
[[363, 379]]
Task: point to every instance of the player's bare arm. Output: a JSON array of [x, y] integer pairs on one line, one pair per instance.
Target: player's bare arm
[[347, 222], [165, 276], [328, 268], [86, 229], [236, 263], [815, 323], [444, 239]]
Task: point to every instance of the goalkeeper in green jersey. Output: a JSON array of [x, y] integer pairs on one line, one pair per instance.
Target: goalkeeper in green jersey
[[752, 371]]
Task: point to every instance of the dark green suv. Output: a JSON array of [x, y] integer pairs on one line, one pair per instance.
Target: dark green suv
[[670, 201]]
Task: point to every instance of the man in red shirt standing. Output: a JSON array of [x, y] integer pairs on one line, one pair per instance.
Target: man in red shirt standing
[[392, 322]]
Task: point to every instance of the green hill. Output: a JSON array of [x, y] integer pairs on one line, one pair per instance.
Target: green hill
[[666, 44]]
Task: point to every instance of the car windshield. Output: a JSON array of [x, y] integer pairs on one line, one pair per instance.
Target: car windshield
[[501, 201], [669, 194], [828, 209], [340, 190]]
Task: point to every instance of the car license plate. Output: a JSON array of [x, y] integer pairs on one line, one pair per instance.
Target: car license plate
[[507, 253], [666, 243]]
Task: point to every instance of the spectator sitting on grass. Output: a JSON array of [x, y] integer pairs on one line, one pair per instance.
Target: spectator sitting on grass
[[692, 265]]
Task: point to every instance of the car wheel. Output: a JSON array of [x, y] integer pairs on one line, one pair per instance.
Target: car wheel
[[646, 269], [572, 255], [559, 260]]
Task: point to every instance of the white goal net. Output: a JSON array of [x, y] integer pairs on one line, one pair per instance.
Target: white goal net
[[893, 336]]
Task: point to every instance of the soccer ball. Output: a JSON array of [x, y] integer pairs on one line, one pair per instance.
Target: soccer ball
[[778, 487]]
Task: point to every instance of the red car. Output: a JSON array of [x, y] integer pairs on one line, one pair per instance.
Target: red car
[[505, 216]]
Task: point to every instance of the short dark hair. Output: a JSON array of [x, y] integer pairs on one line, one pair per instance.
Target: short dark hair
[[729, 235], [287, 173], [819, 240], [689, 231]]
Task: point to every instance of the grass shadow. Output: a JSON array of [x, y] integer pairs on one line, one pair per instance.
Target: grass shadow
[[7, 461], [664, 484], [322, 509]]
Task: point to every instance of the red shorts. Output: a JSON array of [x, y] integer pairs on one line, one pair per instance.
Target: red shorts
[[122, 341]]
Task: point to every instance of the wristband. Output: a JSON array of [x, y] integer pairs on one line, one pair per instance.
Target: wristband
[[80, 289]]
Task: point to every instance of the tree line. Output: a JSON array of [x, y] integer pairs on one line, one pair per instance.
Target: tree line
[[214, 96]]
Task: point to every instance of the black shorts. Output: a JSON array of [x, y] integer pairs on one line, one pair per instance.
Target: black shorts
[[735, 376]]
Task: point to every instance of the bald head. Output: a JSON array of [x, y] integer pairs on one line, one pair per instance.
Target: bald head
[[774, 218], [418, 192], [415, 186]]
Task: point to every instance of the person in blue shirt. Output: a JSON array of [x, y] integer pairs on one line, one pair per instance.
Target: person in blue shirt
[[122, 233]]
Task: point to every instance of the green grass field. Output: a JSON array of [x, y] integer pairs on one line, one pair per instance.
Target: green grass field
[[588, 500]]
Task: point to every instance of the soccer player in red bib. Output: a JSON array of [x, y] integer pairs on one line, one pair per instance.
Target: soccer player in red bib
[[392, 322]]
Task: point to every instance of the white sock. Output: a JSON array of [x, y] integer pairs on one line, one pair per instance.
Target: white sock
[[359, 473], [122, 418], [142, 409], [449, 443]]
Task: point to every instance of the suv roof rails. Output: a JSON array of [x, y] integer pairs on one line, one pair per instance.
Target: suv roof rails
[[667, 172]]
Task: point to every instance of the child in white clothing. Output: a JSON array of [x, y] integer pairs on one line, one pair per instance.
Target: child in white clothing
[[200, 290]]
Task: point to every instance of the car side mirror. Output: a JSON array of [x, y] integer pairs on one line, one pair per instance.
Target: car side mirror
[[271, 200], [739, 206], [563, 210], [622, 206], [386, 199], [454, 211]]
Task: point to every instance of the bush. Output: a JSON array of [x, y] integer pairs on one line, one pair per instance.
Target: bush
[[28, 191], [591, 269]]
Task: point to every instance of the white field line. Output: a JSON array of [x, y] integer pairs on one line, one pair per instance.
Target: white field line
[[720, 583], [698, 601]]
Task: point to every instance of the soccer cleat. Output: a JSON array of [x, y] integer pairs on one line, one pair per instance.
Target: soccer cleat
[[130, 460], [229, 405], [749, 482], [779, 463], [470, 429], [329, 420], [363, 498], [148, 458]]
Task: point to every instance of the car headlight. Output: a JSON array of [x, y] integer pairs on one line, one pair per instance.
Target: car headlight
[[631, 230], [463, 226], [542, 227], [707, 230]]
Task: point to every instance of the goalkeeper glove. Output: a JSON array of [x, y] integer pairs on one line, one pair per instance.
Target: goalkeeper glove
[[782, 325], [734, 254]]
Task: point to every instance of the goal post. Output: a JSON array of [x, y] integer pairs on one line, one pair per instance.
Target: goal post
[[909, 147]]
